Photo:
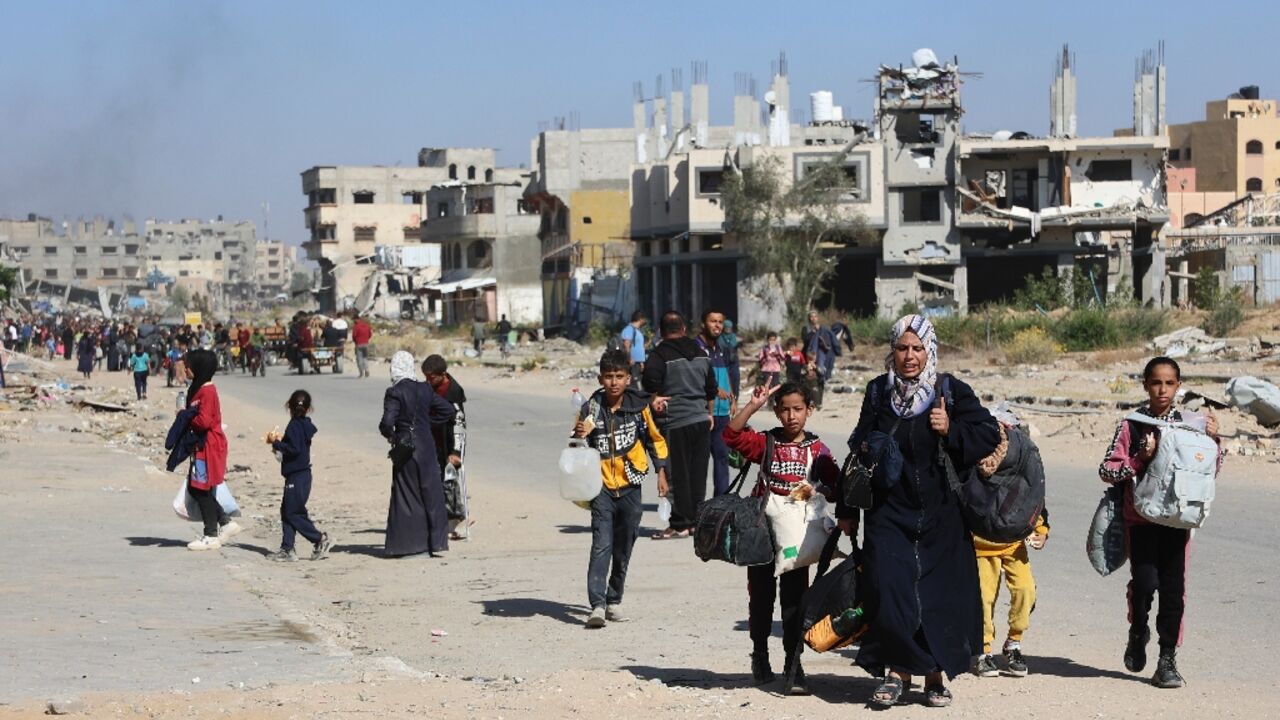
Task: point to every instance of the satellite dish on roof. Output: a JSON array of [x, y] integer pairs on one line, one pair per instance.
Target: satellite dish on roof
[[771, 97]]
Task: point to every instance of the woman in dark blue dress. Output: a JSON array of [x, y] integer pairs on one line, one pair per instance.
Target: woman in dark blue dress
[[417, 520], [920, 575], [87, 352]]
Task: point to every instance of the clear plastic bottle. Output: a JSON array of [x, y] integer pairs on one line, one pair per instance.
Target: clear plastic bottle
[[578, 401]]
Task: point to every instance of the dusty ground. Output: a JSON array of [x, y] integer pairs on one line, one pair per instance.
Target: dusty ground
[[107, 611]]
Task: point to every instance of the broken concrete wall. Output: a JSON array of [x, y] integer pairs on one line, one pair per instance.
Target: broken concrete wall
[[1093, 182]]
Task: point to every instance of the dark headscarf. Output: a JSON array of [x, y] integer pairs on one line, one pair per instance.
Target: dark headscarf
[[203, 364]]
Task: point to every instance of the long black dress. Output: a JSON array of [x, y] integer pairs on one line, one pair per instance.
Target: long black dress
[[920, 570], [416, 520]]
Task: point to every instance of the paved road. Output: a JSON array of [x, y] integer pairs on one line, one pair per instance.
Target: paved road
[[98, 591], [527, 563]]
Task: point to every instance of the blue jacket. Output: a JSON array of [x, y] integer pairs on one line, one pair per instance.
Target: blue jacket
[[295, 448], [182, 441]]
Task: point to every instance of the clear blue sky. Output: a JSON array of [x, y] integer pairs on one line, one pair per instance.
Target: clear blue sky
[[193, 109]]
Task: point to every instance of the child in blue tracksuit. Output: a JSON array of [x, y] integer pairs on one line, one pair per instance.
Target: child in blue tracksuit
[[293, 448]]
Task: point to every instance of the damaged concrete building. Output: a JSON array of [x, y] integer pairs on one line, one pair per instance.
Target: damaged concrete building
[[353, 210], [273, 267], [487, 234], [955, 219]]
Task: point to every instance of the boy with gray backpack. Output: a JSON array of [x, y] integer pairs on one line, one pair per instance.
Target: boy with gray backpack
[[1167, 462]]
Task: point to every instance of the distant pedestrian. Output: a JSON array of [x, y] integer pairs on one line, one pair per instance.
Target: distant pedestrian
[[632, 337], [771, 361], [678, 375], [68, 340], [293, 448], [361, 334], [618, 423], [86, 354], [729, 344], [477, 335], [140, 363], [725, 404], [820, 342], [209, 462], [417, 520], [504, 335]]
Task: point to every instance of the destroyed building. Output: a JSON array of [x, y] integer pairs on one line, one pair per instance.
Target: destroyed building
[[273, 267], [490, 253], [955, 219], [352, 210]]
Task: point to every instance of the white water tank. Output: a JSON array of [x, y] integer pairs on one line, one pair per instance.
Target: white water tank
[[820, 105], [837, 113]]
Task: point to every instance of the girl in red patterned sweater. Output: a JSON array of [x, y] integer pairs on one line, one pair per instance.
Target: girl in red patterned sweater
[[798, 457]]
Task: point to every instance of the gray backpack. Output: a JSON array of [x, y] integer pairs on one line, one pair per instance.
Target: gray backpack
[[1178, 486]]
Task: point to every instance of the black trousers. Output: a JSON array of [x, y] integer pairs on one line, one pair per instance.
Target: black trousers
[[293, 510], [689, 451], [140, 383], [210, 511], [790, 588], [1158, 561]]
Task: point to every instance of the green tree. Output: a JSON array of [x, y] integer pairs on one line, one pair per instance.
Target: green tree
[[1207, 291], [8, 281], [180, 299], [785, 226], [299, 283]]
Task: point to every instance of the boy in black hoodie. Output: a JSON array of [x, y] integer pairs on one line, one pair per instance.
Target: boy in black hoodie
[[617, 423], [293, 448]]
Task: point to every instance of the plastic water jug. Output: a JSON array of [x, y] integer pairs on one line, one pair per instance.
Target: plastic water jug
[[579, 472]]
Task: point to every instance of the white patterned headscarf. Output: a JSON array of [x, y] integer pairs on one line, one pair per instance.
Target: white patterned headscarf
[[403, 367], [912, 397]]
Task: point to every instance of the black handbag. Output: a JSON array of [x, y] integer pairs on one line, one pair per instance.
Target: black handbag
[[733, 528], [857, 476], [402, 447]]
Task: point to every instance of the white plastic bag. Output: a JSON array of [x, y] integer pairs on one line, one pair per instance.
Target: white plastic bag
[[186, 508], [800, 529], [579, 473]]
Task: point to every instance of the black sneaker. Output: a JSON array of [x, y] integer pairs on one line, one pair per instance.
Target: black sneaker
[[1167, 675], [283, 555], [1014, 662], [1135, 653], [797, 683], [761, 672], [985, 666]]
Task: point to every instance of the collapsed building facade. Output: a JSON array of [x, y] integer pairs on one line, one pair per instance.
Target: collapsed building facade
[[954, 219], [215, 258]]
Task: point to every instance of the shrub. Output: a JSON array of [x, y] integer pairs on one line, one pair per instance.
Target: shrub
[[1226, 315], [1032, 346], [1139, 323], [599, 333], [533, 363], [1087, 329], [1206, 290], [872, 330], [1042, 293]]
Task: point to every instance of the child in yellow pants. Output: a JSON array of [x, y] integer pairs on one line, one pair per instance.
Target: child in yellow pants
[[1013, 561]]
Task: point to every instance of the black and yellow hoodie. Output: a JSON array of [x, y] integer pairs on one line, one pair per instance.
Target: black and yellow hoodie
[[626, 439]]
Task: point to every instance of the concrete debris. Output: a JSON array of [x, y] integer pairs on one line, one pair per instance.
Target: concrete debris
[[1256, 397], [64, 707], [1189, 340]]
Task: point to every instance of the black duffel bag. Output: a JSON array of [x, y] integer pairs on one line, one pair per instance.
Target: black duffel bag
[[733, 528]]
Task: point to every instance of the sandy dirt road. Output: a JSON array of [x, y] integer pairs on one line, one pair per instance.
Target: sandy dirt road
[[512, 600]]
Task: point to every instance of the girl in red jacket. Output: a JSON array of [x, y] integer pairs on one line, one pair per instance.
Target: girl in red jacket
[[209, 464], [799, 457]]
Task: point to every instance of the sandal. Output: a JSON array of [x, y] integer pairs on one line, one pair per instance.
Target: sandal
[[889, 691], [670, 534], [937, 696]]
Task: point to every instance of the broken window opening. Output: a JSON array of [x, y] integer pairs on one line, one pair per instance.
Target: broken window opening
[[586, 219], [477, 253], [82, 250], [442, 209], [110, 272], [921, 206], [50, 249], [922, 157], [50, 274], [1110, 171], [409, 234], [482, 206], [1187, 152], [1175, 155], [1253, 185], [362, 197], [710, 181], [917, 129], [411, 198], [108, 249], [453, 171], [471, 172], [488, 175], [82, 272], [1191, 219], [1023, 190], [365, 234], [1253, 147]]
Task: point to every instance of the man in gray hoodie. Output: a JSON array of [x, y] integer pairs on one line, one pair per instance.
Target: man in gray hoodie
[[679, 376]]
